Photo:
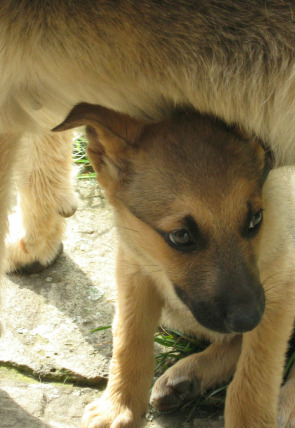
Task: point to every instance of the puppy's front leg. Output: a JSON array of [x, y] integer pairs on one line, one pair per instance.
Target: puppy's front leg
[[252, 397], [125, 400]]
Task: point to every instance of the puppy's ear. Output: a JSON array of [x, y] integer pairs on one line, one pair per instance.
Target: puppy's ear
[[268, 163], [265, 157], [264, 154], [111, 135]]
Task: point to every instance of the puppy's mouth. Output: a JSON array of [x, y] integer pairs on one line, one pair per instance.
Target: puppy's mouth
[[226, 314]]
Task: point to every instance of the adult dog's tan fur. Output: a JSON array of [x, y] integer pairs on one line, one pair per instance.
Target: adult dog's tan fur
[[234, 60], [231, 59], [188, 172]]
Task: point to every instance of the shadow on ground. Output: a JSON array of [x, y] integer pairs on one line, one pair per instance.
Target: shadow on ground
[[12, 415]]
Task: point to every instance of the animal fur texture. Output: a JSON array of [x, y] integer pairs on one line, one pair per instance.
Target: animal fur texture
[[187, 195], [233, 60]]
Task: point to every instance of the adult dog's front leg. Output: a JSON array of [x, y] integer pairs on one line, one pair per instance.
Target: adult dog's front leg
[[125, 400], [9, 145], [43, 176], [252, 397]]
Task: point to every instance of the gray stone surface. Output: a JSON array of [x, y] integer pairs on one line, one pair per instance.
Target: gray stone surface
[[48, 318], [26, 403]]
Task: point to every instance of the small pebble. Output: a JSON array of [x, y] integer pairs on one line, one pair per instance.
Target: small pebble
[[22, 330], [95, 293]]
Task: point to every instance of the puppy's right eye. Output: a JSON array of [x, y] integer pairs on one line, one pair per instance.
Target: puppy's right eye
[[189, 239], [180, 238]]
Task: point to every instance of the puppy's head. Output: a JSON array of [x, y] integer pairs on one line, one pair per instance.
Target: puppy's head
[[187, 192]]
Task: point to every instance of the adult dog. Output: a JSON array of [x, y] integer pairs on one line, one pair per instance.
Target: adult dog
[[234, 60]]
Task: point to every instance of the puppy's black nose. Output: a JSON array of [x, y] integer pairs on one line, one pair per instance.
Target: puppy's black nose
[[244, 309], [244, 317], [243, 320]]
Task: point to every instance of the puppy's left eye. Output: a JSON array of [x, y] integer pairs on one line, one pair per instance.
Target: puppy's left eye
[[255, 220], [180, 237]]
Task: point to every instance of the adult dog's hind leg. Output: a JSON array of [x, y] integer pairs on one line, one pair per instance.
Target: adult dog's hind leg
[[286, 410], [193, 375], [43, 175]]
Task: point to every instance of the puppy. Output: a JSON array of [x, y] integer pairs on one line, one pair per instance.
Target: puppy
[[233, 60], [203, 247]]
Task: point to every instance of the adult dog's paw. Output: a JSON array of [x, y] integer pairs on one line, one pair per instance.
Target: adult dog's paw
[[36, 245], [173, 389], [286, 408], [103, 413], [36, 259]]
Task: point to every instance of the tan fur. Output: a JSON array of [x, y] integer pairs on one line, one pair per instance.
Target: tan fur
[[286, 402], [43, 179], [8, 149], [125, 400], [165, 171], [233, 60]]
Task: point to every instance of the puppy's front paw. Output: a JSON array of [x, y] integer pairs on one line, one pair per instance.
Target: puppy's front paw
[[173, 389], [103, 413], [286, 408]]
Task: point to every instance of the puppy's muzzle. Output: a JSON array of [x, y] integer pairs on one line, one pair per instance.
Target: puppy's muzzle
[[236, 305]]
